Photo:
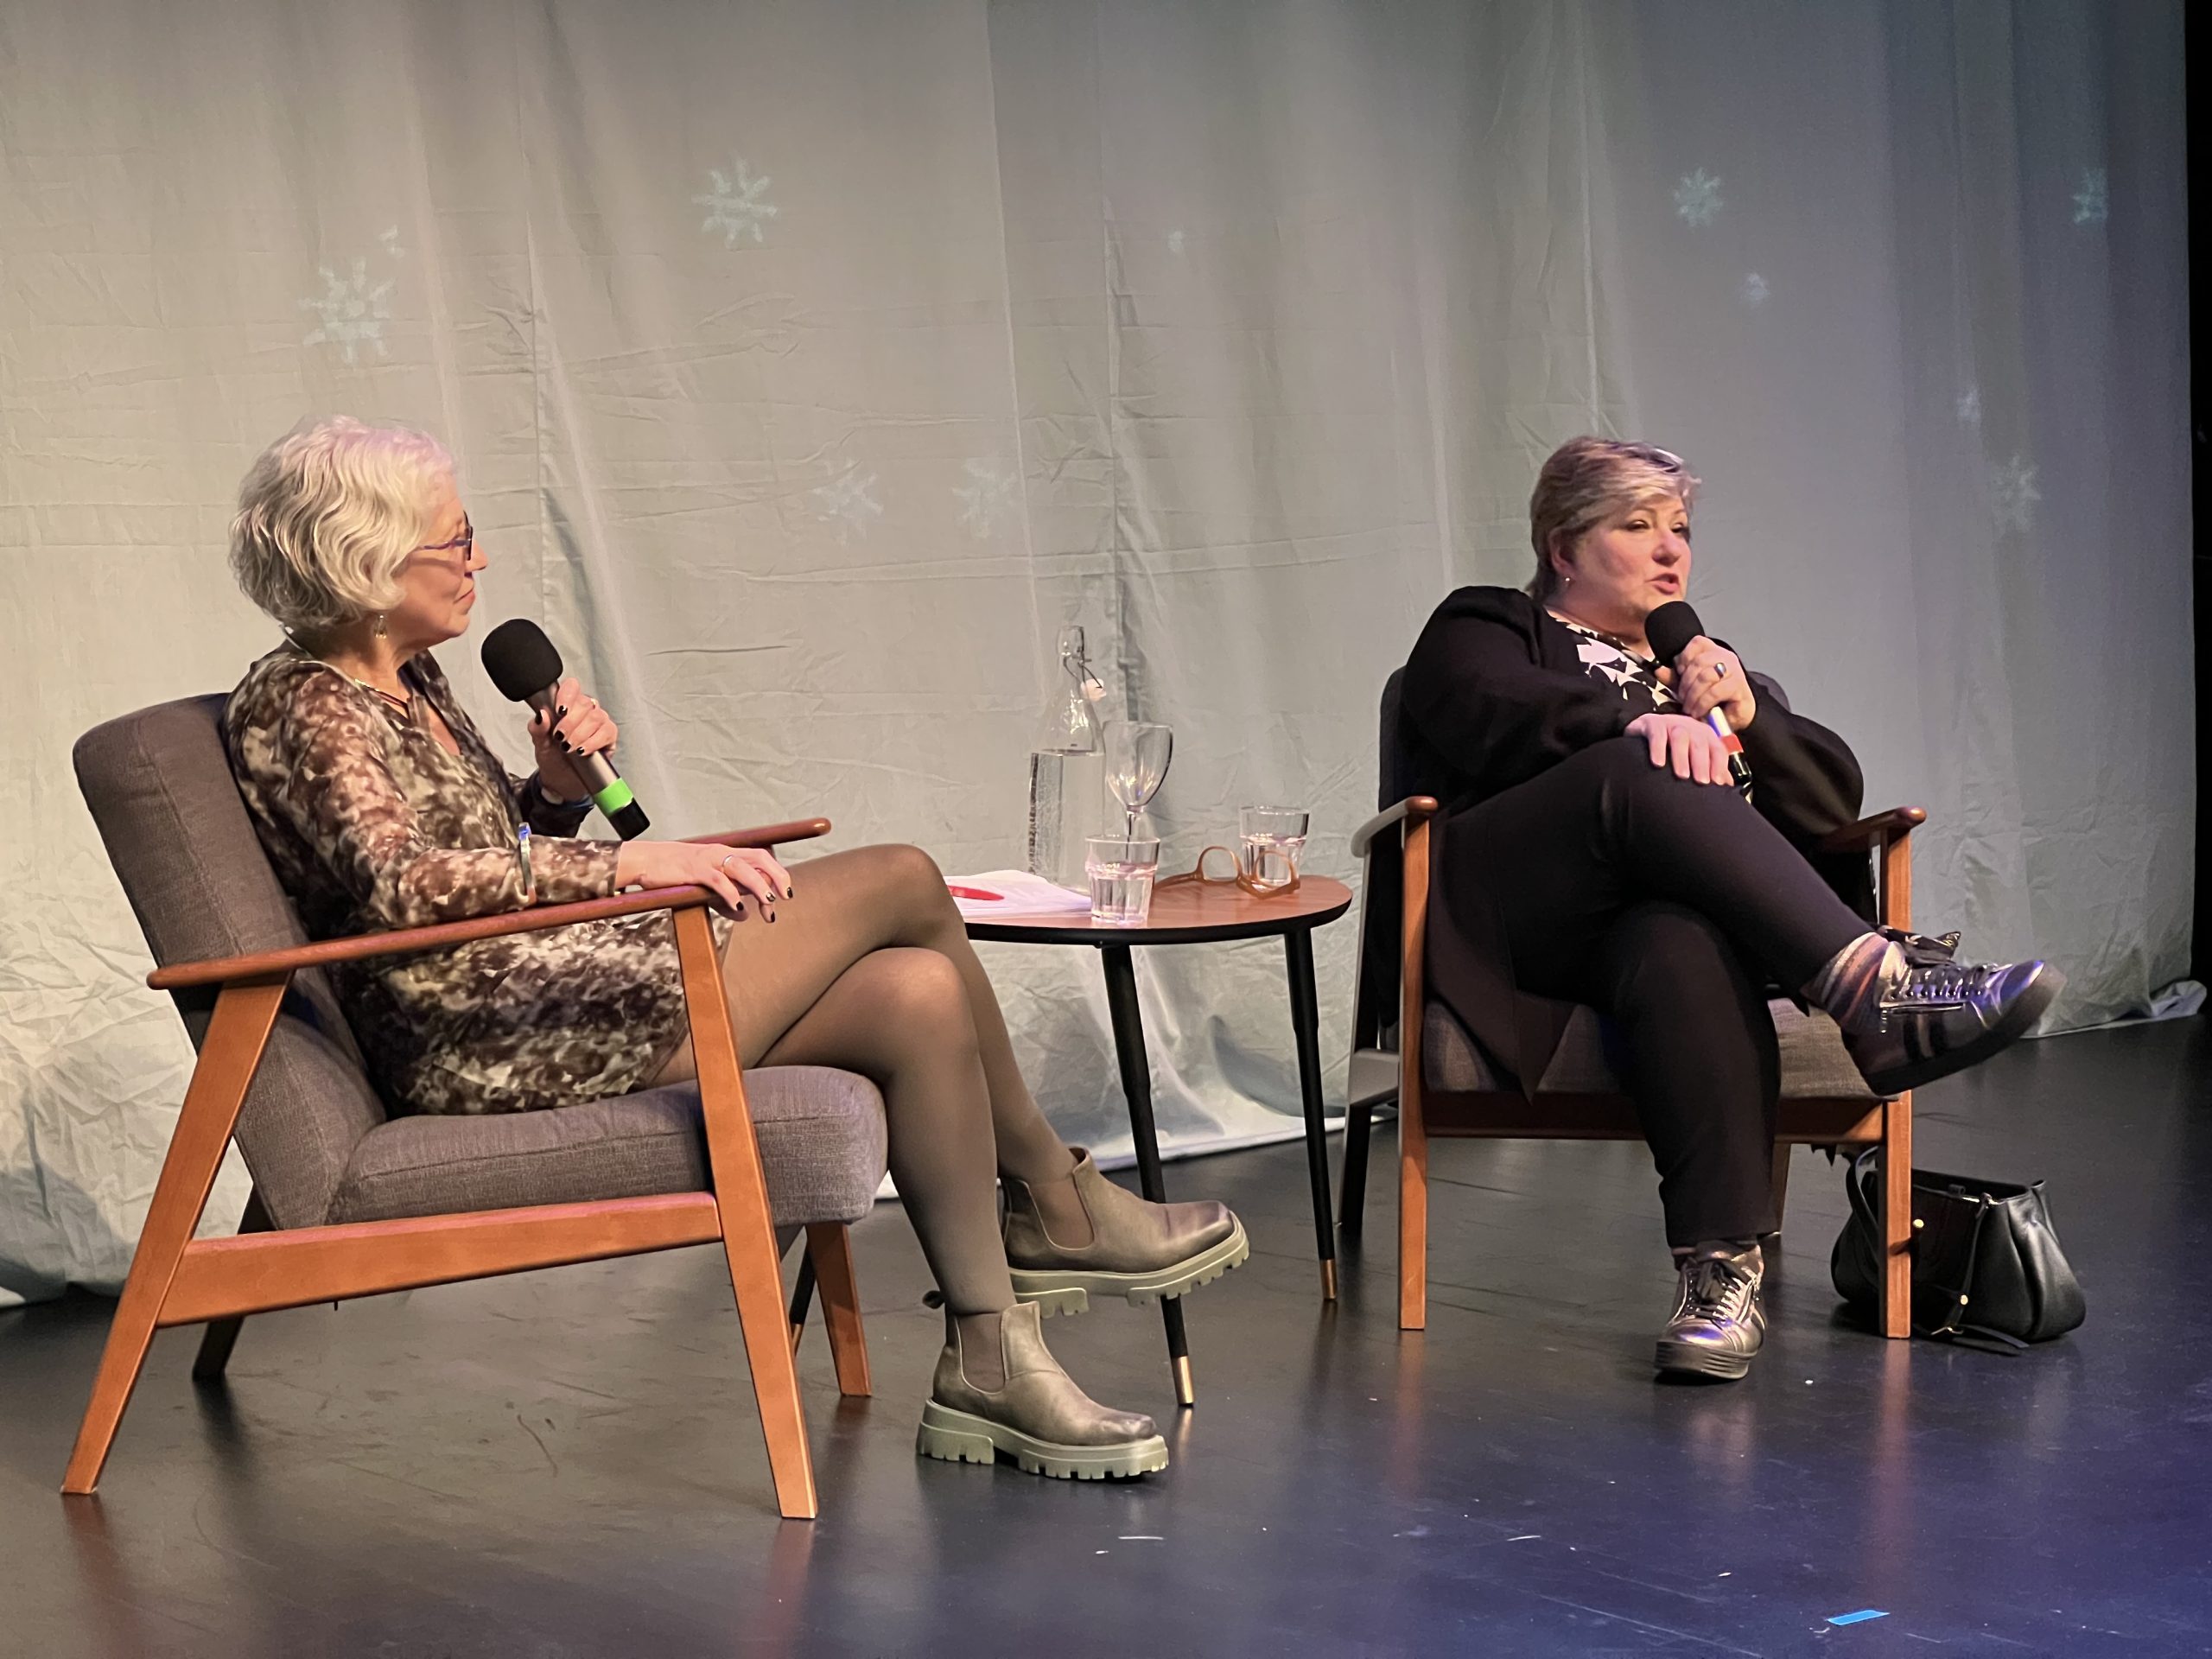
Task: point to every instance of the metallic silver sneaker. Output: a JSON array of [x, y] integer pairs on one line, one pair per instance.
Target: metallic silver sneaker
[[1718, 1324], [1940, 1016]]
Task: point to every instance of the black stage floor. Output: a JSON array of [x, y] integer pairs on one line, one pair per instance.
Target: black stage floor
[[567, 1463]]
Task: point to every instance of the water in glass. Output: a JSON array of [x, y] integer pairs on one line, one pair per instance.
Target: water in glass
[[1121, 872], [1270, 839]]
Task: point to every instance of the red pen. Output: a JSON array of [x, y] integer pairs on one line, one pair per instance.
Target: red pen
[[974, 892]]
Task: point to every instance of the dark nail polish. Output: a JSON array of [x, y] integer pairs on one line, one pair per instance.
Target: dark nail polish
[[790, 893]]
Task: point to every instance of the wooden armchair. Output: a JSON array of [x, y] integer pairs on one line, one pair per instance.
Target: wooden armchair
[[349, 1203], [1409, 1047]]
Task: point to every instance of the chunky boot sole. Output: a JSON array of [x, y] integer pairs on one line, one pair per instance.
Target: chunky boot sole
[[2018, 1018], [1698, 1359], [1068, 1290], [961, 1437]]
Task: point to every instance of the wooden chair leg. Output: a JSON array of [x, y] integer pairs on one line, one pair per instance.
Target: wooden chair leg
[[748, 1233], [1896, 1218], [1413, 1131], [1782, 1151], [222, 1335], [1413, 1215], [1351, 1200], [245, 1013], [829, 1246]]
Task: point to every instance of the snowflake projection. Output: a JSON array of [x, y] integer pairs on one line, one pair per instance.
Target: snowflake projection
[[734, 203], [1174, 241], [988, 492], [352, 312], [1970, 406], [1753, 290], [1697, 198], [848, 502], [2092, 202], [2013, 495]]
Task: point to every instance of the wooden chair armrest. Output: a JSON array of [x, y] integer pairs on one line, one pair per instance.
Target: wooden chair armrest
[[1883, 827], [767, 836], [398, 941], [1415, 809]]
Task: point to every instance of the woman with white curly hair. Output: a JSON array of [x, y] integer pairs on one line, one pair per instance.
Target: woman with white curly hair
[[381, 806]]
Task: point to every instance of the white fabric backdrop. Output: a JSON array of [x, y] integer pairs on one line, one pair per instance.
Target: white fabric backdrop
[[809, 363]]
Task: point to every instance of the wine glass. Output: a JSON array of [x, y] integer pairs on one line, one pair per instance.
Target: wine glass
[[1137, 754]]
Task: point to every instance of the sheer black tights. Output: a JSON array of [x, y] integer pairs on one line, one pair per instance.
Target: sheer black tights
[[868, 968]]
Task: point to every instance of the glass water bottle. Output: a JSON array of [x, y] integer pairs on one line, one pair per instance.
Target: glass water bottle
[[1067, 770]]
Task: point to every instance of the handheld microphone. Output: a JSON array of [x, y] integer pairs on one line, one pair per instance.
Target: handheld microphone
[[1670, 629], [524, 664]]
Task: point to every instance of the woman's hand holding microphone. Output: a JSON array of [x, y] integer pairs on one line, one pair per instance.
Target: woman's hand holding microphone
[[1704, 677], [574, 725], [577, 725]]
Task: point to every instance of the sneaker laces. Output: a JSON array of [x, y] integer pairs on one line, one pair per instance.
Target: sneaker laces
[[1938, 985], [1717, 1287]]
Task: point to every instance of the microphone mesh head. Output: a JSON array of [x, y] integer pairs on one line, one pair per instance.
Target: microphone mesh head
[[520, 659], [1669, 628]]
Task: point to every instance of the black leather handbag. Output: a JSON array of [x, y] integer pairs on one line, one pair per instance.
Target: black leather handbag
[[1985, 1262]]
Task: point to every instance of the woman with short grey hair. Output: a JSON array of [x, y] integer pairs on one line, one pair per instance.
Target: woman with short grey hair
[[1593, 849], [381, 806]]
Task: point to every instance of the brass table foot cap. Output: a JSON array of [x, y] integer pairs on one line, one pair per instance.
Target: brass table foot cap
[[1186, 1394], [1329, 1281]]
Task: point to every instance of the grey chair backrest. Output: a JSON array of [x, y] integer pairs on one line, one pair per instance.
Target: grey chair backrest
[[160, 788]]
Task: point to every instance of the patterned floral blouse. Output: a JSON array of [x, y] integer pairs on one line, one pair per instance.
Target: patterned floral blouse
[[372, 824]]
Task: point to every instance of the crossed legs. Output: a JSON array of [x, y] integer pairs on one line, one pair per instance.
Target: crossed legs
[[868, 968], [1645, 896]]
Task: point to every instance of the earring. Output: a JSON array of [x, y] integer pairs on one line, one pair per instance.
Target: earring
[[378, 628]]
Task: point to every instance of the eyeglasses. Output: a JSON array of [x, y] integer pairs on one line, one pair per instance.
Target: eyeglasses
[[466, 541]]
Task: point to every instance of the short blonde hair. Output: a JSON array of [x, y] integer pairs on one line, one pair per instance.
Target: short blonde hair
[[326, 516], [1585, 481]]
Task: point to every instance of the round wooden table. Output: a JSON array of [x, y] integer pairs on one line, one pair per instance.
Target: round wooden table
[[1203, 913]]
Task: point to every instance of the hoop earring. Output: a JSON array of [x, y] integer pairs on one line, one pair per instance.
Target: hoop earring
[[377, 628]]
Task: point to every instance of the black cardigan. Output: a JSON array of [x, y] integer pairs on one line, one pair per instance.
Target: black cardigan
[[1496, 693]]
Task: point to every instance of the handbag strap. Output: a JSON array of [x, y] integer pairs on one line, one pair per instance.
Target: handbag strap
[[1953, 1325]]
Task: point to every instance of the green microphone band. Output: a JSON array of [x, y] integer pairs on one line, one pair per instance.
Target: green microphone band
[[613, 797]]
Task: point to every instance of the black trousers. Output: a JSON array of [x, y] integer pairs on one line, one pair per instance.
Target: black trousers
[[1666, 905]]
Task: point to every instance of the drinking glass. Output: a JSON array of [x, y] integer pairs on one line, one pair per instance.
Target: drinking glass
[[1137, 756], [1120, 870], [1270, 840]]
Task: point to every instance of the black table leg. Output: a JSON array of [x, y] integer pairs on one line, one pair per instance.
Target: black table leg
[[1306, 1027], [1136, 1085]]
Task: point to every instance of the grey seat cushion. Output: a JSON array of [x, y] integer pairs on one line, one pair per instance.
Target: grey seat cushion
[[822, 1143], [1814, 1063]]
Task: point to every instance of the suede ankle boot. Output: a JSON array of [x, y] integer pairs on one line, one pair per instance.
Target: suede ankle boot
[[1037, 1416]]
